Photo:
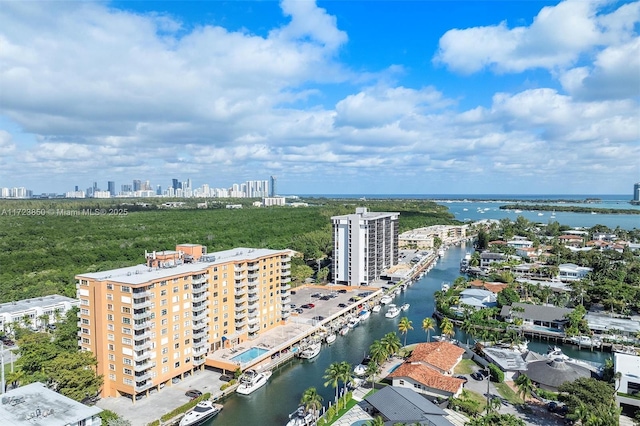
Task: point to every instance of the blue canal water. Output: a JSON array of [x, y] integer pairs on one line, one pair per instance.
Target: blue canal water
[[272, 404]]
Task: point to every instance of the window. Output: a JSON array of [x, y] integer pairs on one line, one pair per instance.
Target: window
[[127, 361], [176, 337], [110, 337], [109, 307], [165, 351], [86, 341], [164, 321], [112, 377], [109, 296], [175, 289], [176, 317], [84, 311], [128, 382], [85, 331], [112, 357], [126, 310], [164, 331], [176, 365], [112, 367], [111, 346], [126, 320], [163, 312], [163, 283], [85, 321], [126, 341], [163, 302], [186, 286], [163, 292], [125, 289], [126, 330], [84, 302], [165, 359], [187, 341], [176, 346]]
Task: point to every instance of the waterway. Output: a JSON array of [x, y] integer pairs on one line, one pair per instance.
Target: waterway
[[272, 404]]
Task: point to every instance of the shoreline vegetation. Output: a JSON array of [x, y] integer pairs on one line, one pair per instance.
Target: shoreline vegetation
[[572, 209], [44, 244]]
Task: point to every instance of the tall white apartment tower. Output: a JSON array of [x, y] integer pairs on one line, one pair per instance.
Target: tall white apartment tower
[[365, 244]]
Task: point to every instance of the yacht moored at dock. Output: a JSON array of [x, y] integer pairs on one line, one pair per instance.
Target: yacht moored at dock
[[386, 299], [404, 307], [251, 381], [202, 412], [330, 338], [311, 351], [392, 312]]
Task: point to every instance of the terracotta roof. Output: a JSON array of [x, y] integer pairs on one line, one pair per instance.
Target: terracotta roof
[[492, 287], [498, 242], [428, 377], [443, 355]]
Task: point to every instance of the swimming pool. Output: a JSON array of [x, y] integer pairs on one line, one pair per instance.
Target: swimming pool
[[249, 354]]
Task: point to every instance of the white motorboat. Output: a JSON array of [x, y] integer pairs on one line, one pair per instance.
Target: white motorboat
[[440, 253], [353, 322], [377, 308], [585, 341], [555, 352], [392, 312], [202, 412], [361, 369], [386, 299], [364, 314], [251, 381], [311, 351], [404, 307], [445, 286], [301, 417], [397, 291], [344, 330], [331, 337]]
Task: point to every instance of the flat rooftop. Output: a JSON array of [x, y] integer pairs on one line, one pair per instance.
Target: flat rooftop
[[140, 274], [34, 404], [36, 302]]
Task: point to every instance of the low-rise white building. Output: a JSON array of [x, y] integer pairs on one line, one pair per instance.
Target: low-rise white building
[[35, 404], [36, 309], [572, 272], [629, 383]]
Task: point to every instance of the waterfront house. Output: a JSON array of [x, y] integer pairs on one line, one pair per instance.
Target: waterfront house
[[569, 240], [572, 272], [628, 385], [487, 258], [401, 405], [493, 287], [429, 370], [477, 298], [549, 374], [519, 242], [509, 361], [537, 317], [625, 329]]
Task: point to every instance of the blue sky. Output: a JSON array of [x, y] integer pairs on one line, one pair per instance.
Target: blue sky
[[331, 97]]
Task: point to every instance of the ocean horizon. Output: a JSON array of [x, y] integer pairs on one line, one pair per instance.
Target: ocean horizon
[[607, 197]]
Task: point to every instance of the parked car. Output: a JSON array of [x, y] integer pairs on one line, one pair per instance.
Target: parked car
[[477, 375], [552, 406], [299, 310], [318, 318], [193, 393], [292, 292], [305, 306], [311, 305], [342, 305], [343, 291], [461, 377], [325, 298], [316, 295], [226, 377]]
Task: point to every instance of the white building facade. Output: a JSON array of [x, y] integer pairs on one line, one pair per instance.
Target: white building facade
[[365, 245]]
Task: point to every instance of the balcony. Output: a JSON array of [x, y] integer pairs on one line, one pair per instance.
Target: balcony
[[240, 300], [200, 334], [285, 287], [141, 325], [240, 323], [286, 314], [286, 273], [200, 351], [198, 299], [200, 280], [141, 367], [199, 288], [142, 336], [142, 303], [240, 292], [199, 344], [285, 280], [142, 357], [253, 299], [142, 345], [143, 386], [239, 276], [254, 328], [241, 314], [253, 276], [286, 300], [142, 315], [254, 320], [198, 361], [253, 302], [253, 268], [199, 306], [200, 316], [141, 294]]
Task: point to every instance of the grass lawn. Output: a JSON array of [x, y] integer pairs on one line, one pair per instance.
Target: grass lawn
[[466, 366], [352, 402], [507, 393]]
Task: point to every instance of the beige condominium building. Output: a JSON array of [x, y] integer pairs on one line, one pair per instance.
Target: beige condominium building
[[149, 323]]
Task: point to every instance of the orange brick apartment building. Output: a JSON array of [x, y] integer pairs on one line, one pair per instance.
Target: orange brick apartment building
[[149, 323]]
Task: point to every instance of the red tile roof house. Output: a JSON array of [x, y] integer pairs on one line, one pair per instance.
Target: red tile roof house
[[429, 369], [571, 240]]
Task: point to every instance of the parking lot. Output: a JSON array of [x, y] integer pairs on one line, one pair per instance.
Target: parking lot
[[317, 303], [146, 410]]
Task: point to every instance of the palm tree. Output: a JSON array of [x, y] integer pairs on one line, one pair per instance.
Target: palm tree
[[378, 352], [345, 376], [372, 371], [391, 343], [44, 320], [332, 375], [525, 386], [311, 400], [428, 325], [26, 321], [404, 326], [447, 327]]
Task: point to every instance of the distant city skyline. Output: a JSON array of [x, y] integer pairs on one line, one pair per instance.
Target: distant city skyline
[[370, 97]]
